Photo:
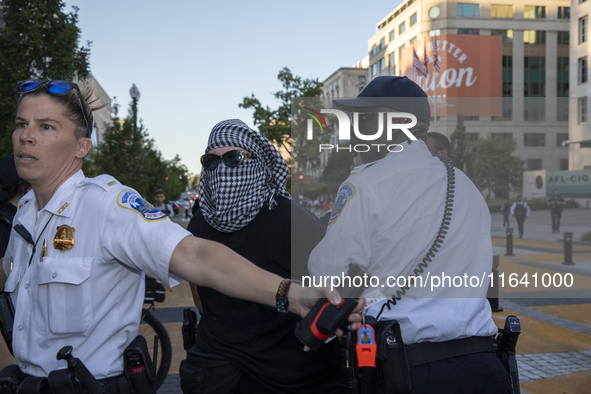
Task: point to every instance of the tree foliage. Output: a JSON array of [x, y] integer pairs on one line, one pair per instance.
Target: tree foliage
[[276, 124], [494, 168], [39, 40], [130, 155], [460, 148], [338, 168]]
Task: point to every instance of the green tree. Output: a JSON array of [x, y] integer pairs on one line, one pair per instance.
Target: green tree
[[39, 40], [460, 148], [128, 154], [276, 124], [494, 167], [338, 168]]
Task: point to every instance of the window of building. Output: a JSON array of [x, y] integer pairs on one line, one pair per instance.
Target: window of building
[[434, 33], [413, 39], [560, 138], [582, 110], [562, 77], [534, 139], [382, 64], [534, 12], [383, 43], [535, 76], [534, 87], [374, 69], [374, 50], [563, 12], [582, 1], [466, 9], [501, 11], [583, 72], [402, 28], [563, 164], [361, 78], [472, 136], [413, 19], [501, 136], [474, 32], [507, 76], [506, 34], [563, 38], [534, 164], [393, 69], [469, 117], [392, 59], [392, 33], [534, 36], [583, 29], [400, 51]]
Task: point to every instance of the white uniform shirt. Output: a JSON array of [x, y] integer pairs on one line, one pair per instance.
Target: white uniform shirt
[[91, 296], [386, 217]]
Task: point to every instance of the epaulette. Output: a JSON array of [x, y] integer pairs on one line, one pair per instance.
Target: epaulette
[[361, 168], [103, 181]]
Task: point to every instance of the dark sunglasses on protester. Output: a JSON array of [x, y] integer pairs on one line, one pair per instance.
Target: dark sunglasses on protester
[[231, 159], [55, 88]]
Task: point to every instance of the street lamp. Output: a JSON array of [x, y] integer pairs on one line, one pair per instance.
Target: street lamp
[[134, 92]]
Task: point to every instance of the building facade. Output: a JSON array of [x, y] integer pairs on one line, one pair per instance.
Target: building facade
[[534, 65], [579, 143]]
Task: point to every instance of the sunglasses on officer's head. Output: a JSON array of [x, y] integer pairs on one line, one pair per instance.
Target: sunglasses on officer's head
[[55, 88], [231, 159]]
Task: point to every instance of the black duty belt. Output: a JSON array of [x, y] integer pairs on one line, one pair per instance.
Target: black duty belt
[[428, 352]]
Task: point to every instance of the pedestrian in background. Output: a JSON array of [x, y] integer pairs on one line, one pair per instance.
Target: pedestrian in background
[[556, 203], [506, 209], [187, 207], [520, 210]]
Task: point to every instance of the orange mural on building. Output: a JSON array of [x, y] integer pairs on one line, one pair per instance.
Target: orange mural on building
[[470, 68]]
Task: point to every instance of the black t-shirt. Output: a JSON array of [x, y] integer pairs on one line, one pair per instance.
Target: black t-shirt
[[506, 207], [553, 200], [257, 339], [7, 212]]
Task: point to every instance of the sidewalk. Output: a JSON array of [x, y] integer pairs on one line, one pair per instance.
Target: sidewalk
[[554, 348]]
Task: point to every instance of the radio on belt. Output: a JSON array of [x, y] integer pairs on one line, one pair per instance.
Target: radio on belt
[[324, 319]]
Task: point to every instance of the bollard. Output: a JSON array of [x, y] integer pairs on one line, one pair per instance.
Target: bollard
[[493, 291], [568, 248], [509, 242]]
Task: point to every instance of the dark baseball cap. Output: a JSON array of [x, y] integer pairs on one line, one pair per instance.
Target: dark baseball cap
[[399, 93], [8, 175]]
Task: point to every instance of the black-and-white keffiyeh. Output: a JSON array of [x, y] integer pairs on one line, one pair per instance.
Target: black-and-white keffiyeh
[[231, 197]]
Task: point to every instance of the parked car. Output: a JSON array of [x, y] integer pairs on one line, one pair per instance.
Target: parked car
[[175, 207]]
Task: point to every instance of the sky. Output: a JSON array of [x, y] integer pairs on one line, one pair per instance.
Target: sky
[[194, 61]]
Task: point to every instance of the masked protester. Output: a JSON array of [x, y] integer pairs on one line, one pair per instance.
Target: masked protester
[[244, 205]]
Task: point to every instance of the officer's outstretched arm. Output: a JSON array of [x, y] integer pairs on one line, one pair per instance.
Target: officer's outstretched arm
[[211, 264]]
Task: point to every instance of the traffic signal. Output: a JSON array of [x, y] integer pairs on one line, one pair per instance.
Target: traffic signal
[[166, 178], [301, 177]]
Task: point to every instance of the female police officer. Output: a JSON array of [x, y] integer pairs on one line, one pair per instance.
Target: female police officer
[[81, 245]]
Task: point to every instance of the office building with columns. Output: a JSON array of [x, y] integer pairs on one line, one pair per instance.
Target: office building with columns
[[579, 142], [533, 63]]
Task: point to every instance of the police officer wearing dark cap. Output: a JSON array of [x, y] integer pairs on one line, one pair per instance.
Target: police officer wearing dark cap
[[388, 217]]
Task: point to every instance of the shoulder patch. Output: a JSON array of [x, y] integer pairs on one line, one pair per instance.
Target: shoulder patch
[[346, 193], [129, 199], [354, 171]]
